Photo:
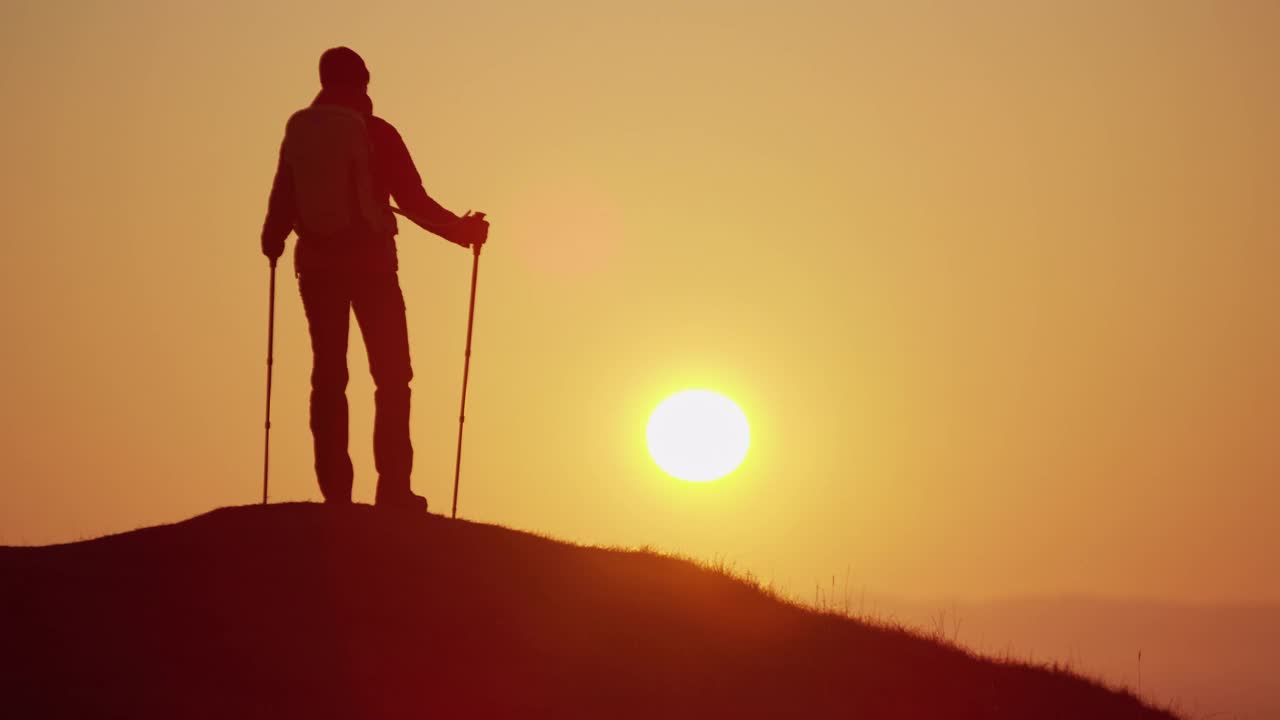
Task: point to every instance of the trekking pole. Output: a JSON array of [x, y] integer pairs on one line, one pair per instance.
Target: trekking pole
[[271, 336], [466, 370]]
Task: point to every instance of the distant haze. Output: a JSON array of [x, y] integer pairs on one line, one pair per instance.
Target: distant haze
[[1205, 662], [995, 281]]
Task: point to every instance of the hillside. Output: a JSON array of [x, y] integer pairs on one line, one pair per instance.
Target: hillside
[[291, 611]]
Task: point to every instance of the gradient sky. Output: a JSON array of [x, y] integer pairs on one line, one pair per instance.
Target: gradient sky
[[995, 281]]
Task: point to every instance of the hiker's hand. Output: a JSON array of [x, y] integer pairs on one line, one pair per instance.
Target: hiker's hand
[[273, 249], [474, 230]]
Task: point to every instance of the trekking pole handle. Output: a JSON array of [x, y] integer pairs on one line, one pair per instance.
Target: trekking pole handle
[[475, 247]]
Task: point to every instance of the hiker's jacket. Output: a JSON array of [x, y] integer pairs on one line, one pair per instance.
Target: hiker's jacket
[[339, 166]]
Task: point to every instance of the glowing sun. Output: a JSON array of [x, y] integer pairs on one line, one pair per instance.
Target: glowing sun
[[698, 435]]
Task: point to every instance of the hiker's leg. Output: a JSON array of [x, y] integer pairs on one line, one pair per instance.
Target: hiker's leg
[[379, 308], [327, 301]]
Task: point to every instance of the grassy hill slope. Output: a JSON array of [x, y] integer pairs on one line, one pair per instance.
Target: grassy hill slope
[[298, 610]]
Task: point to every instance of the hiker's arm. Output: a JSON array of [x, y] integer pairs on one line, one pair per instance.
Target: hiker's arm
[[281, 211], [406, 187]]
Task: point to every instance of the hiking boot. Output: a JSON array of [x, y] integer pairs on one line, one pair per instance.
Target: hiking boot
[[406, 502]]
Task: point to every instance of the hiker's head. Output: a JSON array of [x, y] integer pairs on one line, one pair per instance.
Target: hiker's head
[[343, 68]]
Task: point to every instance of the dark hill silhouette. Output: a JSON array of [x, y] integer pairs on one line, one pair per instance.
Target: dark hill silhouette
[[301, 611]]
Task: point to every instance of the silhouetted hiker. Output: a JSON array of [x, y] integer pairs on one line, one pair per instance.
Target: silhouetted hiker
[[338, 165]]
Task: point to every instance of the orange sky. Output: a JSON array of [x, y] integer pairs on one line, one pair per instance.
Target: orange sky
[[994, 281]]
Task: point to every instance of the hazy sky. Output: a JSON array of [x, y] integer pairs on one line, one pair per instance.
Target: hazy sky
[[995, 281]]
